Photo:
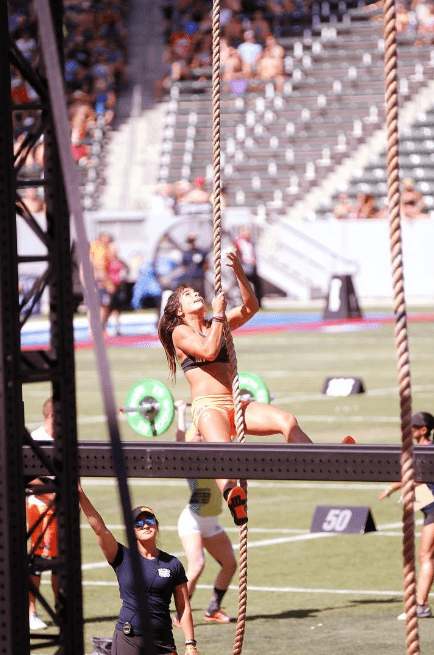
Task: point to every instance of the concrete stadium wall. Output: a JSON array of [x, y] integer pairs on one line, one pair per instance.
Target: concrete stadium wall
[[368, 243]]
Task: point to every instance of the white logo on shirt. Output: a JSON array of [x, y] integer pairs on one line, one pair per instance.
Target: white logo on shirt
[[164, 573]]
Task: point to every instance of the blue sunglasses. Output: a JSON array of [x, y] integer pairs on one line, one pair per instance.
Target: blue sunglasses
[[149, 520]]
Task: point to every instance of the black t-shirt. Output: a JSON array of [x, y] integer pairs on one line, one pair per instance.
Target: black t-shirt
[[194, 261], [161, 575]]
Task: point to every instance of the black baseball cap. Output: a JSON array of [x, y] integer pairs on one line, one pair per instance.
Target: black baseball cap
[[423, 420], [141, 510]]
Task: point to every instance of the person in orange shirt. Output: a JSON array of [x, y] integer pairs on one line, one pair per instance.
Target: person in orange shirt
[[99, 255], [42, 525]]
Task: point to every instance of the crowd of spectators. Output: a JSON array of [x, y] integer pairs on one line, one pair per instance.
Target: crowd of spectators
[[412, 205], [249, 32], [95, 70], [414, 18], [179, 193], [248, 47]]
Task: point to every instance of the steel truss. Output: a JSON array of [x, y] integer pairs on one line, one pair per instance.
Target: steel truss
[[275, 461], [17, 368]]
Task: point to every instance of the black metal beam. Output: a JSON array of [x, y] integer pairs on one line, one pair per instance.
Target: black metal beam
[[275, 461], [13, 556], [55, 365]]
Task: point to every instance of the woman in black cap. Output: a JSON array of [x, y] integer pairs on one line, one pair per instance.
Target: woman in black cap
[[163, 576], [422, 424]]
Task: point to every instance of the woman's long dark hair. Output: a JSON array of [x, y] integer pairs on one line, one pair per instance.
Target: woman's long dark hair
[[167, 323]]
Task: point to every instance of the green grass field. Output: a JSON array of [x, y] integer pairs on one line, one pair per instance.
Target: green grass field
[[336, 594]]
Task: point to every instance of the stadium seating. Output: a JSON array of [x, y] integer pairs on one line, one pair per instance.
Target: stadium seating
[[278, 145]]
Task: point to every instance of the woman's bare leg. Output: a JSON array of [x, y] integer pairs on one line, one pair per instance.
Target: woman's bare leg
[[215, 427], [193, 549], [426, 560], [264, 420], [220, 548]]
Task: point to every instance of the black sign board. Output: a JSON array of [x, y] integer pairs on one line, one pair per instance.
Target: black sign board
[[339, 385], [342, 300], [343, 519]]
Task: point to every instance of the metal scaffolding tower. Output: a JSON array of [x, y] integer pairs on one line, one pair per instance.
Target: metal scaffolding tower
[[55, 365]]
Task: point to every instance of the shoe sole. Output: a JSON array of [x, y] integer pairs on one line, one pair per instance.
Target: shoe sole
[[211, 619], [237, 501]]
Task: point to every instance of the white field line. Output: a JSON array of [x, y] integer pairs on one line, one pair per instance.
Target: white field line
[[383, 531], [285, 590], [371, 393], [86, 420]]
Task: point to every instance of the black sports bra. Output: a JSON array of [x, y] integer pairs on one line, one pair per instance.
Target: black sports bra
[[191, 362]]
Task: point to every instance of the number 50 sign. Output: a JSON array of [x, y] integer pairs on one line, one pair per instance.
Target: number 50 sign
[[342, 519]]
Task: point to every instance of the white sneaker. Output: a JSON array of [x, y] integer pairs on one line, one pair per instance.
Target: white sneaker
[[35, 622], [422, 612]]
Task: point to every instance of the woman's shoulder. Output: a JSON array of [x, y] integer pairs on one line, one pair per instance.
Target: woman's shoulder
[[169, 559], [181, 330]]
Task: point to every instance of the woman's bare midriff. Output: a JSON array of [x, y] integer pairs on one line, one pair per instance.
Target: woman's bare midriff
[[209, 380]]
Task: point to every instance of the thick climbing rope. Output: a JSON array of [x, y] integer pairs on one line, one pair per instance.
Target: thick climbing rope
[[401, 335], [217, 219]]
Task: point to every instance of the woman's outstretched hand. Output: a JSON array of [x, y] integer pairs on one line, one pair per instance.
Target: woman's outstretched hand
[[234, 262]]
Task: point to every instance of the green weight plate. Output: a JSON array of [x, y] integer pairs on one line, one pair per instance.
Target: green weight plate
[[255, 385], [159, 419]]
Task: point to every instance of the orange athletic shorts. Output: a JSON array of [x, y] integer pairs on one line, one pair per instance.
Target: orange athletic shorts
[[43, 539], [221, 402]]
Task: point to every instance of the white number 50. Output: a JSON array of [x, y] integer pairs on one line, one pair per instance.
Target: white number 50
[[337, 520]]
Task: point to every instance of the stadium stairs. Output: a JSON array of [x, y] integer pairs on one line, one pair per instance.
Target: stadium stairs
[[286, 155], [134, 144]]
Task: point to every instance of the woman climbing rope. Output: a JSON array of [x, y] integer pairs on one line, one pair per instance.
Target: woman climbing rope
[[199, 345]]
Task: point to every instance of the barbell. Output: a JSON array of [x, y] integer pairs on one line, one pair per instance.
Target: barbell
[[150, 408]]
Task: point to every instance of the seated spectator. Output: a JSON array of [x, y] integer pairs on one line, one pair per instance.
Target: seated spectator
[[344, 208], [279, 7], [410, 196], [402, 19], [165, 196], [202, 55], [198, 193], [260, 26], [250, 51], [81, 116], [277, 50], [235, 6], [27, 45], [16, 17], [105, 100], [233, 31], [412, 203], [271, 63], [411, 212], [180, 190], [365, 207], [182, 45], [33, 200], [426, 23], [234, 67]]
